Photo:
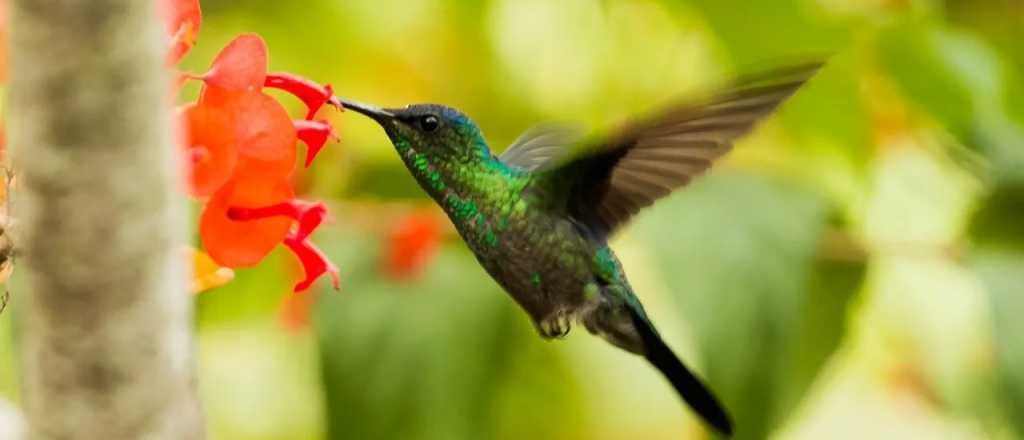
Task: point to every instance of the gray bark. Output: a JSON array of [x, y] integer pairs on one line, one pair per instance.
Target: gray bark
[[106, 344]]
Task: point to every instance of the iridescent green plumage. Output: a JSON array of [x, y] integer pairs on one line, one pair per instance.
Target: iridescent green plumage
[[538, 217]]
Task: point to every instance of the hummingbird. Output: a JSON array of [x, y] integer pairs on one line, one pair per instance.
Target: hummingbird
[[538, 217]]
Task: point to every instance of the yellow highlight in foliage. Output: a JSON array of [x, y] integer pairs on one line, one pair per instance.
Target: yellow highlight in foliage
[[206, 273]]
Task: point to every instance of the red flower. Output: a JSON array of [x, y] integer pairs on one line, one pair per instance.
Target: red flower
[[241, 147]]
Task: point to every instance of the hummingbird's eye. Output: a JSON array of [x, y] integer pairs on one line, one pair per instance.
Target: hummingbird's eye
[[429, 123]]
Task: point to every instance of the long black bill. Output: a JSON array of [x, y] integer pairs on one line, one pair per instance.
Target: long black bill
[[376, 113]]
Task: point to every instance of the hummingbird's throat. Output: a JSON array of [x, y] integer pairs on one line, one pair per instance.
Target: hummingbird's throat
[[419, 164], [457, 197]]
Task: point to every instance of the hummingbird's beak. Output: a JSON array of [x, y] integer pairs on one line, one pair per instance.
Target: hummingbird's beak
[[373, 112]]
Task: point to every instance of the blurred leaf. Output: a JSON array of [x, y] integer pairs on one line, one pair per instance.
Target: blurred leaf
[[827, 143], [832, 286], [767, 29], [997, 221], [1003, 275], [961, 82], [996, 20], [912, 53], [998, 258], [443, 357], [830, 107], [766, 312]]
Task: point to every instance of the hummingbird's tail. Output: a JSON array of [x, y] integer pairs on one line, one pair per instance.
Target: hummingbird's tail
[[688, 386]]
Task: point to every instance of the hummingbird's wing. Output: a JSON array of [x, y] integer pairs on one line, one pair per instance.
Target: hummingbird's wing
[[611, 181], [541, 145]]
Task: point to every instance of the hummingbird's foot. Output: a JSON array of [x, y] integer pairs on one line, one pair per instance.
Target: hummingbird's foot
[[555, 325]]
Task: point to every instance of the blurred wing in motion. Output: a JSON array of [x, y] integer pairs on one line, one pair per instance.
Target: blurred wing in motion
[[540, 146], [648, 159]]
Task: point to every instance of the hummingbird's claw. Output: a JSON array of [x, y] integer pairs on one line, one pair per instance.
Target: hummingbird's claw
[[556, 325]]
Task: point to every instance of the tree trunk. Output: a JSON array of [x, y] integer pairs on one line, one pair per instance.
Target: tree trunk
[[106, 344]]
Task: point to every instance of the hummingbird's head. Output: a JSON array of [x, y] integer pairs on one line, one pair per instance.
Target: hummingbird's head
[[430, 129]]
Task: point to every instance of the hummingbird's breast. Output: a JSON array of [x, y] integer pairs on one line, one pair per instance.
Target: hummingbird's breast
[[538, 258]]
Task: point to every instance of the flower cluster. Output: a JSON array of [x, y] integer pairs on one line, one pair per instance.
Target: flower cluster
[[240, 147]]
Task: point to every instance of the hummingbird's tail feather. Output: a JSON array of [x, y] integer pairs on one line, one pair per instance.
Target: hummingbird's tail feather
[[689, 387]]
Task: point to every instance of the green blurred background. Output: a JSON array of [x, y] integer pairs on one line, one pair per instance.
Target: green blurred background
[[855, 269]]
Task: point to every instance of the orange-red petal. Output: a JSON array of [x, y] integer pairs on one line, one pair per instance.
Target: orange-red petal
[[264, 130], [240, 66], [265, 134], [235, 243], [314, 263], [312, 94], [210, 148], [266, 169], [309, 216], [218, 97], [314, 134]]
